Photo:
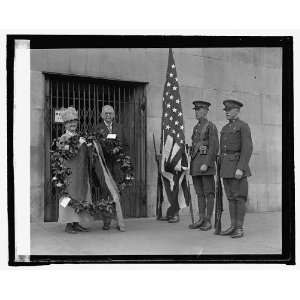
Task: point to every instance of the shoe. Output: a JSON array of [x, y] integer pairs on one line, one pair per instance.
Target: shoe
[[174, 219], [122, 229], [164, 218], [228, 231], [106, 224], [69, 228], [206, 226], [197, 224], [238, 233], [78, 227]]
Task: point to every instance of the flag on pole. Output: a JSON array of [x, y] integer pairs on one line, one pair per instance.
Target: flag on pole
[[174, 164]]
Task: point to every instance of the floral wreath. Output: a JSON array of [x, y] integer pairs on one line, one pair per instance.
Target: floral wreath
[[68, 149]]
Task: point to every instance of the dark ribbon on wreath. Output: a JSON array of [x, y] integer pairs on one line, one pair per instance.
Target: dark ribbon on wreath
[[102, 201]]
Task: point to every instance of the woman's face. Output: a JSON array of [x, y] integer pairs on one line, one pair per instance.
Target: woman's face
[[71, 125]]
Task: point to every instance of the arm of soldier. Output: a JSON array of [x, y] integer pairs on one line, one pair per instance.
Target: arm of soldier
[[246, 148], [213, 145]]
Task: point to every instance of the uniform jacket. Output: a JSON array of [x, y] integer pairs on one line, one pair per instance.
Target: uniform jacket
[[236, 148], [211, 141]]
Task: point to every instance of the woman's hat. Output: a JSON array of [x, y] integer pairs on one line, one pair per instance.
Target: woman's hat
[[69, 114]]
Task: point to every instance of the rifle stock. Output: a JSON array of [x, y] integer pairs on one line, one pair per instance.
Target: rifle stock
[[188, 151], [219, 199]]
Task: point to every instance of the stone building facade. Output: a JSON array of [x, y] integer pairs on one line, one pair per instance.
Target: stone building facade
[[251, 75]]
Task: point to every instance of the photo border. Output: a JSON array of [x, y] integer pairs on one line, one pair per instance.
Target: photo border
[[151, 41]]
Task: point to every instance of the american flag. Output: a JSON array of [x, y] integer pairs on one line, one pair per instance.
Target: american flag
[[174, 164]]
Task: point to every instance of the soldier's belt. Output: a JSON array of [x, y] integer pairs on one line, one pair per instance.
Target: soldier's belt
[[230, 154], [201, 149]]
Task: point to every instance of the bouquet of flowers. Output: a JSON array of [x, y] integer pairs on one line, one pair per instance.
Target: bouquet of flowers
[[69, 147], [104, 207], [59, 173], [79, 206]]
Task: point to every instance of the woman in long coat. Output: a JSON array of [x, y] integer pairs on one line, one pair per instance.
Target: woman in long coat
[[78, 180]]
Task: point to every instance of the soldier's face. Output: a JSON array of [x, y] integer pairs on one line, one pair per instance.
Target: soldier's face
[[232, 113], [71, 126], [201, 113]]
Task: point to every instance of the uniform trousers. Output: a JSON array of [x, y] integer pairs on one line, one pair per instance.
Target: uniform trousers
[[237, 192], [205, 189]]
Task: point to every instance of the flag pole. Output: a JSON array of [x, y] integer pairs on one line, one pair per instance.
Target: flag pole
[[159, 196]]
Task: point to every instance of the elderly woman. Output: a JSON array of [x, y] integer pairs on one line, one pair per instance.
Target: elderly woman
[[78, 181]]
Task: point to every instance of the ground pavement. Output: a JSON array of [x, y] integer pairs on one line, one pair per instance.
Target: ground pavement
[[148, 236]]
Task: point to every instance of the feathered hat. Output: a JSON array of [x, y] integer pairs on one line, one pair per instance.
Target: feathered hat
[[69, 114]]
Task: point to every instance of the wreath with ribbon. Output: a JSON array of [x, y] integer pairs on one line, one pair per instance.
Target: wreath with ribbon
[[67, 149]]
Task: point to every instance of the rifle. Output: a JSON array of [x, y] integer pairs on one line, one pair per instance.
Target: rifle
[[219, 199], [188, 187], [159, 195]]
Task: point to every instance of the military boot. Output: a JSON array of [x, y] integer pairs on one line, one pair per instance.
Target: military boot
[[232, 212], [201, 208], [206, 225], [240, 215], [210, 207], [238, 233], [197, 224]]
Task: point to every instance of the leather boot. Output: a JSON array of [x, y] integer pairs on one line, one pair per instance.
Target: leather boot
[[228, 231], [206, 225], [238, 233], [166, 218], [210, 207], [232, 212], [197, 224], [201, 208], [240, 215]]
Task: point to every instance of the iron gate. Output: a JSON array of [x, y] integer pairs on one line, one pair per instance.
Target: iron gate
[[88, 95]]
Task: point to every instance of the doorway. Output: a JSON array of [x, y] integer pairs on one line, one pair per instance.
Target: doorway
[[88, 95]]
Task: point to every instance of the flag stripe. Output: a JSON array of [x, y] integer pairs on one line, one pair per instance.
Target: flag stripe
[[174, 162]]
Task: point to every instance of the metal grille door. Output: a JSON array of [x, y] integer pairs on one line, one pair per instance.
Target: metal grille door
[[88, 95]]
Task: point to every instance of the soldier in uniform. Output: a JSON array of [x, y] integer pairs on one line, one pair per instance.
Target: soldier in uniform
[[236, 149], [205, 146]]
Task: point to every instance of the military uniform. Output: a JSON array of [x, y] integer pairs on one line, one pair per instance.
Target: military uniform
[[236, 149], [205, 146]]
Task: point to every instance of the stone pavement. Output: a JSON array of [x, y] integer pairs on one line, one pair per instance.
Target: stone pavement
[[148, 236]]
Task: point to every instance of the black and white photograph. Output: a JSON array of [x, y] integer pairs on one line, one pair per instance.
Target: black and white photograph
[[163, 151]]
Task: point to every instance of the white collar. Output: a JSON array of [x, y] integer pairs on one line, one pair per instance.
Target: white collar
[[107, 124]]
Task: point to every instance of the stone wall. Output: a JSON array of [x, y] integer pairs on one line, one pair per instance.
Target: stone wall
[[251, 75]]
